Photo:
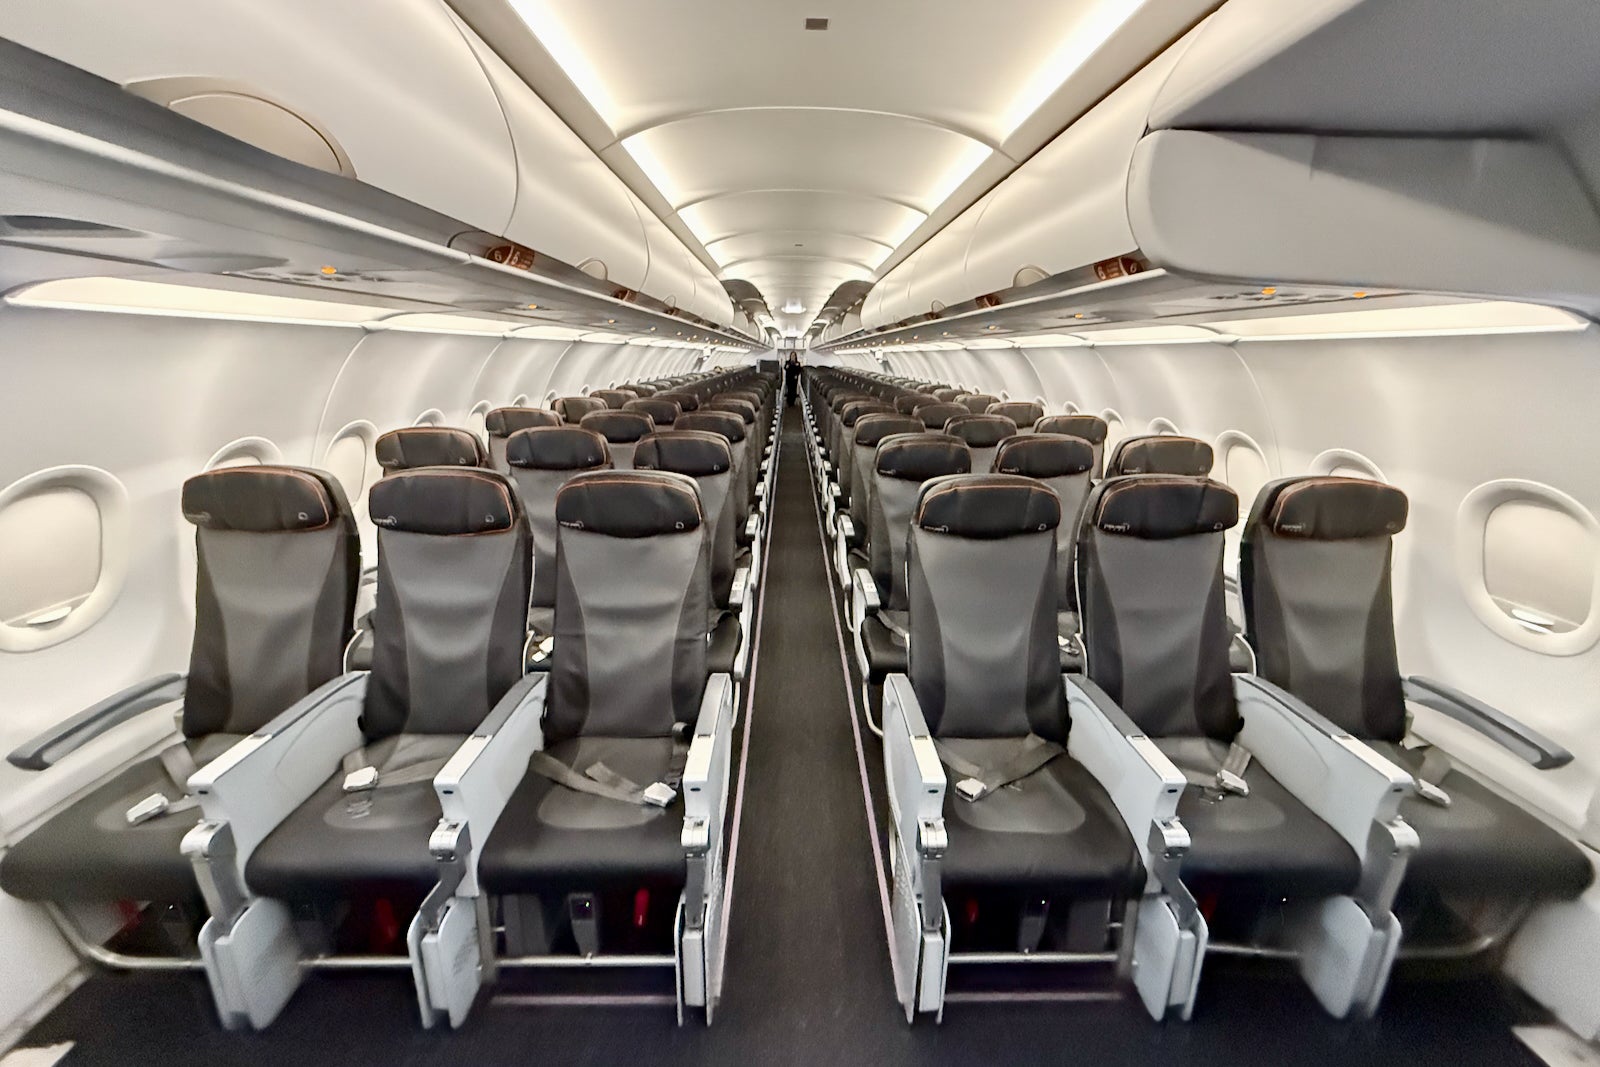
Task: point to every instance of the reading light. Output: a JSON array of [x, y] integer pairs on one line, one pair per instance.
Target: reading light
[[330, 270]]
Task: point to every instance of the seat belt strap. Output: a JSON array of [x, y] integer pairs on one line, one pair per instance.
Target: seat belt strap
[[607, 783], [1435, 765], [978, 782], [1230, 776], [179, 764], [361, 776]]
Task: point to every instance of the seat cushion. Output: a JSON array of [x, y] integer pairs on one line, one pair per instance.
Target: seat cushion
[[338, 844], [1265, 845], [1483, 845], [554, 839], [886, 650], [89, 852], [1056, 830]]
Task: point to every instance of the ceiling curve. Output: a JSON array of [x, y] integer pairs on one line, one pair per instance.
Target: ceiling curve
[[798, 159]]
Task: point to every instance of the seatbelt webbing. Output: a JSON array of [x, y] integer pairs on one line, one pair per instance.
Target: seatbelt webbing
[[1435, 765], [978, 782], [179, 764], [360, 775], [600, 780]]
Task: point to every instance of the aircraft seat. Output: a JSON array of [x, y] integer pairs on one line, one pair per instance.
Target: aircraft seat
[[983, 435], [501, 423], [1022, 412], [622, 430], [429, 446], [977, 403], [1160, 454], [664, 412], [1091, 428]]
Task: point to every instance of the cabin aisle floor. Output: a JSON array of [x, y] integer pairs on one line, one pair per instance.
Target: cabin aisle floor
[[808, 976]]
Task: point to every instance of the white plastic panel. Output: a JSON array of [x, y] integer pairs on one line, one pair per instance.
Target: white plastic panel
[[403, 95], [668, 274], [941, 272]]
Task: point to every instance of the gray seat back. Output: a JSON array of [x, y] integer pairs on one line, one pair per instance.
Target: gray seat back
[[981, 565], [632, 601], [501, 423], [686, 399], [1022, 412], [900, 466], [1062, 463], [849, 415], [622, 430], [1319, 609], [706, 458], [1150, 589], [983, 434], [452, 614], [542, 460], [429, 446], [1091, 428], [1187, 457], [870, 431], [662, 412], [277, 563], [730, 427]]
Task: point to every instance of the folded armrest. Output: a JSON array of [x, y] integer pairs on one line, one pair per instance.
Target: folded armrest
[[42, 752], [1496, 725], [752, 528], [476, 783], [1143, 783], [1344, 782], [914, 776], [741, 588], [864, 598], [705, 799]]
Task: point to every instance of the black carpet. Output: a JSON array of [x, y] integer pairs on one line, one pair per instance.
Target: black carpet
[[808, 973]]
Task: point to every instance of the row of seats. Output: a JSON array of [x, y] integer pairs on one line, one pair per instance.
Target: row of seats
[[445, 810], [1150, 803]]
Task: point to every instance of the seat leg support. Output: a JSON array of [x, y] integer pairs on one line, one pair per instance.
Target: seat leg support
[[445, 940]]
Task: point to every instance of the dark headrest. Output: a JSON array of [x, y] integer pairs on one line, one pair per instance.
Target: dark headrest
[[574, 408], [503, 422], [1021, 412], [1334, 509], [429, 446], [846, 396], [1160, 506], [664, 412], [725, 424], [917, 457], [558, 448], [442, 501], [947, 394], [629, 503], [1091, 428], [1160, 454], [987, 506], [695, 453], [977, 402], [870, 429], [981, 431], [642, 388], [857, 408], [687, 401], [742, 408], [905, 402], [1044, 455], [935, 415], [614, 398], [263, 499], [619, 427]]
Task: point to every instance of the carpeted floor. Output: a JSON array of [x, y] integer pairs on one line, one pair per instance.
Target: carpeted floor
[[808, 973]]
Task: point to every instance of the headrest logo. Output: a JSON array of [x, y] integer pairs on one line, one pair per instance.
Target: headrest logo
[[304, 517], [1293, 527], [1118, 527], [385, 520]]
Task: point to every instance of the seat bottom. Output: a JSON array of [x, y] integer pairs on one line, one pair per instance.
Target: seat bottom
[[340, 844], [89, 852], [1483, 845], [1055, 830], [551, 839], [1263, 846]]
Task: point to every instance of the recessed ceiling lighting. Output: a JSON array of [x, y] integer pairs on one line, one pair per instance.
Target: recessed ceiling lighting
[[816, 24]]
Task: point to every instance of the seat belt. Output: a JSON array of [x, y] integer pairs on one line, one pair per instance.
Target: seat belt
[[360, 775], [1435, 765], [1228, 779], [601, 781], [179, 764], [978, 782]]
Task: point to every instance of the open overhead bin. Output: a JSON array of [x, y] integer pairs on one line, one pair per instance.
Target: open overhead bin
[[1254, 168]]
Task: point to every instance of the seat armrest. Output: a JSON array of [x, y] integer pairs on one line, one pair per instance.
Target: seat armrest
[[752, 528], [256, 784], [42, 752], [705, 771], [1496, 725], [740, 591], [864, 598], [1142, 782], [476, 783], [912, 772], [1344, 782]]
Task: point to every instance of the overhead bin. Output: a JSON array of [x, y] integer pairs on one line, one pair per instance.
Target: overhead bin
[[413, 103], [1303, 187]]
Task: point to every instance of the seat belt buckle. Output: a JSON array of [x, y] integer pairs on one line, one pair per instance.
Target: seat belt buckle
[[1432, 793], [358, 781], [1232, 783], [970, 789], [149, 808], [659, 794]]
